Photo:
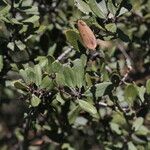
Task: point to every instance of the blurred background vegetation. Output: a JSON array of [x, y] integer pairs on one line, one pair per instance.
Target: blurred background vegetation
[[55, 94]]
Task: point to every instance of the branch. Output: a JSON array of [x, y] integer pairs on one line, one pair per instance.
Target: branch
[[64, 54], [128, 62]]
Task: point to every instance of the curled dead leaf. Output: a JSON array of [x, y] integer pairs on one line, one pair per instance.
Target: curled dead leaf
[[87, 36]]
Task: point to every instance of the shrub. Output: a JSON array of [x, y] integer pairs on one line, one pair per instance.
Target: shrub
[[56, 93]]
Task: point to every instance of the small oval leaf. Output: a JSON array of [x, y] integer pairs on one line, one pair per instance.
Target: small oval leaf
[[86, 106], [131, 93], [35, 101], [19, 85]]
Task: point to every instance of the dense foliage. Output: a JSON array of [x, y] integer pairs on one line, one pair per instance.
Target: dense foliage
[[56, 94]]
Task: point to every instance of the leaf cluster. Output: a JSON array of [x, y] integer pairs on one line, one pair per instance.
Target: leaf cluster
[[56, 94]]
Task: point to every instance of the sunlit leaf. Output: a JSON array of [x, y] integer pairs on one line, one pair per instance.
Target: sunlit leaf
[[73, 114], [69, 76], [131, 146], [137, 123], [46, 83], [115, 128], [131, 93], [38, 72], [111, 27], [73, 38], [78, 70], [86, 106], [35, 101], [98, 90], [95, 7], [82, 6]]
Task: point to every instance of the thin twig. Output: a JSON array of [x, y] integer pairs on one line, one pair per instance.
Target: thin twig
[[64, 54], [108, 69], [103, 104], [128, 63]]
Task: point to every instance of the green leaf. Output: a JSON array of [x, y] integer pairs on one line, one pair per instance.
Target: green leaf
[[18, 134], [31, 10], [52, 49], [11, 46], [31, 74], [1, 63], [69, 76], [82, 6], [66, 146], [78, 70], [131, 146], [97, 10], [41, 29], [23, 74], [142, 130], [111, 27], [32, 19], [73, 114], [28, 75], [84, 59], [5, 10], [115, 128], [122, 11], [15, 21], [20, 45], [103, 6], [148, 86], [60, 99], [19, 56], [73, 38], [99, 89], [131, 93], [19, 85], [48, 64], [141, 92], [60, 79], [38, 74], [137, 123], [4, 32], [88, 107], [25, 3], [138, 140], [35, 101], [112, 9], [118, 118], [80, 121], [24, 29], [46, 83], [56, 66]]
